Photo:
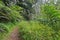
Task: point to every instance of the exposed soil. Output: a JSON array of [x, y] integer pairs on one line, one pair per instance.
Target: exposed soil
[[14, 34]]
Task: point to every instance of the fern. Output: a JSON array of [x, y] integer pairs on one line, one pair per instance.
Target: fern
[[52, 16]]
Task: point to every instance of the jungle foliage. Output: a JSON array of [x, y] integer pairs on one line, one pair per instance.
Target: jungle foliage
[[33, 25]]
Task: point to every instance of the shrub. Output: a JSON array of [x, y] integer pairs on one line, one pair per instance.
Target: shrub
[[8, 14], [51, 15], [35, 31]]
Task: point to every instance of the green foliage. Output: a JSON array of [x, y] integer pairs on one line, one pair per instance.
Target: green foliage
[[47, 29], [52, 16], [32, 1], [9, 14], [3, 28], [34, 31], [18, 10]]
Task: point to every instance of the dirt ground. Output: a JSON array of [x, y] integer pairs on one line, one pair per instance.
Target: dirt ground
[[14, 34]]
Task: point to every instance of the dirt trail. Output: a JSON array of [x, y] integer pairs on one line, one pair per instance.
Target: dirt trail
[[14, 34]]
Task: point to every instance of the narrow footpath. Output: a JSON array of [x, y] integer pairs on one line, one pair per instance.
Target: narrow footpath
[[14, 34]]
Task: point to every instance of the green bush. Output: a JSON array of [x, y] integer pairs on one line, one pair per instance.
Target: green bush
[[3, 28], [34, 31], [51, 15], [9, 14]]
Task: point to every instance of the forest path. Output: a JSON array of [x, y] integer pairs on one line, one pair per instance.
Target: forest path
[[14, 34]]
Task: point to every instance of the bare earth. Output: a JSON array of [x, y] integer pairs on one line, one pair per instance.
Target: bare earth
[[14, 34]]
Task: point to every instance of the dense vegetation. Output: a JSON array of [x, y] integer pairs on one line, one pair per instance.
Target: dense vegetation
[[37, 20]]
